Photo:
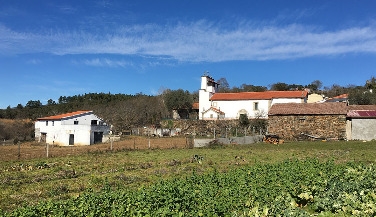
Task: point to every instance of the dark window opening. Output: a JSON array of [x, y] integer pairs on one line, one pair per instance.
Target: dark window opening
[[75, 122], [46, 123], [94, 122]]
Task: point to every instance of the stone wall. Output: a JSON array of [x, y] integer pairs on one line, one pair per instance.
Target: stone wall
[[290, 127], [207, 128]]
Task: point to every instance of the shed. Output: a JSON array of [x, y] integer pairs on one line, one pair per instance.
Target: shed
[[361, 122]]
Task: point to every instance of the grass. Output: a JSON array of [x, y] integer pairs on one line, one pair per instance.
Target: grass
[[30, 181]]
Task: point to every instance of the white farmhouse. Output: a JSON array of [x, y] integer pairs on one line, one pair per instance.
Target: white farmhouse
[[75, 128], [214, 105]]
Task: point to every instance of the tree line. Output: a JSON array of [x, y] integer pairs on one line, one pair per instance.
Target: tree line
[[126, 111]]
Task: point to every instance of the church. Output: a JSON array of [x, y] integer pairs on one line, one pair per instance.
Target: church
[[227, 106]]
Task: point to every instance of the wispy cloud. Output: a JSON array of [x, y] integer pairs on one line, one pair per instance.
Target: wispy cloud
[[195, 42], [105, 62]]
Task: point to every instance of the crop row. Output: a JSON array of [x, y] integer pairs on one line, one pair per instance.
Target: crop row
[[290, 188]]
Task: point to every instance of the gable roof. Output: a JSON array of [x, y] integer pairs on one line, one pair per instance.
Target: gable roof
[[62, 116], [266, 95], [215, 110], [330, 108]]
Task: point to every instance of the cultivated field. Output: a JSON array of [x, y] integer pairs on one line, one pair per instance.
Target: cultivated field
[[70, 173]]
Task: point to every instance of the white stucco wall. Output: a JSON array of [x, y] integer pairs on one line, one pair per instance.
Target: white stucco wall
[[232, 108], [363, 129], [287, 100]]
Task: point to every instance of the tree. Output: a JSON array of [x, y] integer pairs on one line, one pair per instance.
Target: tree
[[252, 88], [33, 104], [371, 83], [280, 86], [361, 96], [243, 120], [315, 85], [178, 100], [51, 102], [224, 87]]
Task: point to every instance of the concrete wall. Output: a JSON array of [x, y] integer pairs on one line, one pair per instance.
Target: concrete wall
[[363, 129]]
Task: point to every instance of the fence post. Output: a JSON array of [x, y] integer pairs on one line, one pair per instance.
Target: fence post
[[19, 150], [47, 146]]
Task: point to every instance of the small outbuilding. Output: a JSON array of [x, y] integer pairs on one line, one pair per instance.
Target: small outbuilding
[[74, 128], [292, 121], [361, 122]]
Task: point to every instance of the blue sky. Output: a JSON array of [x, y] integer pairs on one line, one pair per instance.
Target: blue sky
[[63, 48]]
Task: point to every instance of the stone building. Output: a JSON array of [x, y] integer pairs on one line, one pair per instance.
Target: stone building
[[291, 121]]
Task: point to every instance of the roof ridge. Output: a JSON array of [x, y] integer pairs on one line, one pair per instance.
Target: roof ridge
[[64, 115]]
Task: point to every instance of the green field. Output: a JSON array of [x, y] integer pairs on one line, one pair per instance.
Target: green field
[[291, 179]]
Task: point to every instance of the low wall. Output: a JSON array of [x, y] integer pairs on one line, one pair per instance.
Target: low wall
[[226, 141]]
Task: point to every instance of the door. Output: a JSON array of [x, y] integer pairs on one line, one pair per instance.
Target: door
[[98, 136], [71, 139]]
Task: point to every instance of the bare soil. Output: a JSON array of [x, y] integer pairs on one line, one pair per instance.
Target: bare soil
[[32, 150]]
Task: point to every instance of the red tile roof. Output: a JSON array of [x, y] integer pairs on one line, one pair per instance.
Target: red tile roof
[[61, 116], [330, 108], [216, 110], [267, 95], [195, 105]]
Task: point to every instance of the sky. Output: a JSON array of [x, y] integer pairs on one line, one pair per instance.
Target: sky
[[51, 48]]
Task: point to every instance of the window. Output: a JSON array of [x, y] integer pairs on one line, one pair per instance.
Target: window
[[46, 123], [256, 106], [53, 123], [94, 122], [75, 122]]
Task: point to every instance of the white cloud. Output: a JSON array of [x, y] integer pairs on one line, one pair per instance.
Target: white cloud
[[195, 42], [105, 62]]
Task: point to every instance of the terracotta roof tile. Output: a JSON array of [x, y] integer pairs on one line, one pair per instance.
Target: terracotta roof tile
[[267, 95], [195, 105], [61, 116], [308, 109], [215, 110], [362, 107]]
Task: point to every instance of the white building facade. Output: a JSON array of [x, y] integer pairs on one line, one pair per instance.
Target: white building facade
[[214, 105], [75, 128]]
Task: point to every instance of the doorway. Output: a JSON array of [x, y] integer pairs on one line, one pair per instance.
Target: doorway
[[98, 136], [71, 139], [43, 137]]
